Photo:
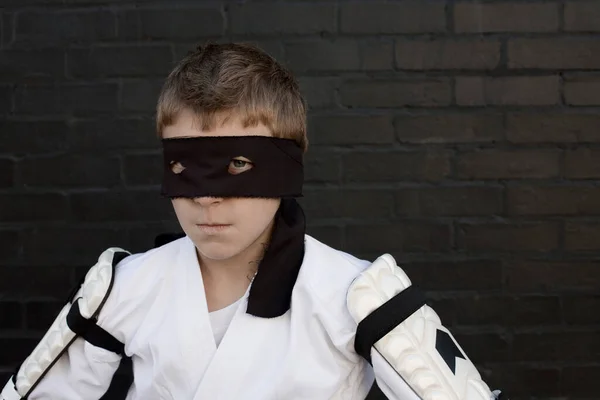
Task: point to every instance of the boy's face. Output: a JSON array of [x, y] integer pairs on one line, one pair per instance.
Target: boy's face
[[222, 228]]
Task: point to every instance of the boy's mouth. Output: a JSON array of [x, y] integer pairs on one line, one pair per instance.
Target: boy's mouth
[[212, 228], [212, 225]]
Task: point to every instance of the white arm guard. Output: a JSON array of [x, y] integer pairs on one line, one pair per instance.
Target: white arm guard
[[77, 318], [414, 356]]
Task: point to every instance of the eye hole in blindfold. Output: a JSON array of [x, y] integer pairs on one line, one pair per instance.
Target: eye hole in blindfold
[[239, 165], [176, 167]]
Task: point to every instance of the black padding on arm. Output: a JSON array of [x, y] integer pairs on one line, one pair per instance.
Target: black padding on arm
[[91, 332], [375, 393], [385, 318]]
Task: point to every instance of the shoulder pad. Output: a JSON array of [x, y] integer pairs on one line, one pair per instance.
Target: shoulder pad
[[77, 318]]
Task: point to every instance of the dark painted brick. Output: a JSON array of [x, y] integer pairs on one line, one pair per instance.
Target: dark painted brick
[[11, 244], [555, 53], [273, 47], [278, 18], [68, 98], [51, 246], [553, 276], [140, 96], [553, 200], [113, 134], [555, 346], [582, 91], [15, 350], [580, 381], [537, 237], [33, 137], [7, 172], [6, 28], [384, 94], [449, 128], [6, 99], [41, 314], [582, 236], [331, 235], [444, 308], [440, 54], [582, 163], [347, 203], [484, 347], [49, 280], [522, 380], [455, 275], [15, 207], [70, 171], [582, 16], [523, 127], [506, 17], [509, 311], [120, 206], [181, 23], [55, 27], [12, 3], [581, 310], [402, 237], [28, 65], [120, 61], [450, 201], [405, 17], [143, 169], [514, 90], [322, 166], [87, 2], [319, 92], [351, 129], [11, 315], [129, 24], [141, 238], [508, 164], [338, 55], [377, 55], [396, 166]]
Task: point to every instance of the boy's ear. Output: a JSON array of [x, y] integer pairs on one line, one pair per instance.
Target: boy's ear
[[164, 238]]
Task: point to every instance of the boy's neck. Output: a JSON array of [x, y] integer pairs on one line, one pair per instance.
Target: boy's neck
[[242, 265], [225, 281]]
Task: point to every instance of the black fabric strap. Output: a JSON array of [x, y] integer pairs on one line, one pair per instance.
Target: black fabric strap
[[385, 318], [375, 393], [91, 332]]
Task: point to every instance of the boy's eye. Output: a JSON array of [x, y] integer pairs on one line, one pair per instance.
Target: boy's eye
[[176, 167], [239, 165]]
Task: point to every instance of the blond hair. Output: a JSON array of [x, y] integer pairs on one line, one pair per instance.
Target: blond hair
[[238, 79]]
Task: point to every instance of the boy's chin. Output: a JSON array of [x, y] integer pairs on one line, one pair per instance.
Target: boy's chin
[[217, 252]]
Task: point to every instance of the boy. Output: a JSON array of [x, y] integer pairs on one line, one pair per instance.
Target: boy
[[245, 305]]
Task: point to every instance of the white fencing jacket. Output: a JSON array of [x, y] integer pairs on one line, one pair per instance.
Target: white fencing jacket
[[158, 309]]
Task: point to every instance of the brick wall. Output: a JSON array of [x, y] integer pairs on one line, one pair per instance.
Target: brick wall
[[462, 137]]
